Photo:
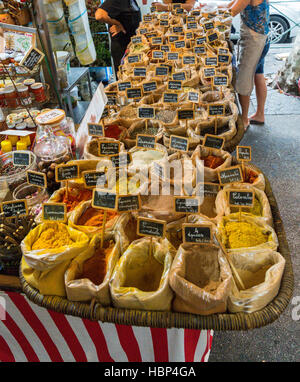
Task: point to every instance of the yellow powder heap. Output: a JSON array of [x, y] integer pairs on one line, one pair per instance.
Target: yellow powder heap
[[244, 235], [53, 238]]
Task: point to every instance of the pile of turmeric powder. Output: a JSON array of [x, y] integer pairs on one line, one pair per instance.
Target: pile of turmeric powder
[[243, 235], [95, 267], [93, 217], [53, 237], [74, 196]]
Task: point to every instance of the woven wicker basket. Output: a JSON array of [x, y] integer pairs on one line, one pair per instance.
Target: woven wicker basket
[[225, 321]]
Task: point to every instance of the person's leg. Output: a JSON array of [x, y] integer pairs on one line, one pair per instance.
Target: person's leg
[[261, 96], [245, 103]]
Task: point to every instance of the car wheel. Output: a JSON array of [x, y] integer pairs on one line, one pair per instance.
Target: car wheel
[[278, 26]]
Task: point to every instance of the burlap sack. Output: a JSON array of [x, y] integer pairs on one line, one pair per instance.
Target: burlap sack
[[83, 289], [223, 208], [193, 142], [139, 127], [140, 279], [126, 230], [142, 159], [259, 182], [226, 128], [210, 175], [90, 152], [201, 279], [261, 273]]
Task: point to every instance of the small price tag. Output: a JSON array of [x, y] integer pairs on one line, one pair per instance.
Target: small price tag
[[146, 112], [37, 179], [200, 40], [146, 141], [173, 38], [211, 37], [177, 29], [179, 143], [165, 48], [94, 178], [158, 54], [161, 71], [223, 58], [189, 36], [196, 13], [187, 205], [136, 40], [208, 189], [185, 114], [191, 25], [149, 86], [208, 26], [121, 159], [189, 60], [196, 233], [230, 175], [151, 227], [104, 200], [143, 31], [32, 58], [95, 129], [179, 44], [240, 198], [139, 72], [147, 18], [133, 59], [200, 49], [244, 153], [14, 208], [21, 159], [213, 141], [174, 85], [107, 148], [128, 203], [54, 212], [193, 97], [64, 172], [180, 76], [216, 110], [220, 81], [164, 23], [122, 86], [173, 56], [223, 51], [209, 72], [134, 93], [156, 41], [170, 98], [211, 61]]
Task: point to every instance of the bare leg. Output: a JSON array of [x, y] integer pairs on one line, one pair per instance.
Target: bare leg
[[261, 96], [245, 102]]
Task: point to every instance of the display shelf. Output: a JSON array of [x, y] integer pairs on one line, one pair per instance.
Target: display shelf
[[79, 111]]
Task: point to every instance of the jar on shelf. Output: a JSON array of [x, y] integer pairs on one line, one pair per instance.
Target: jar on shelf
[[35, 196], [39, 92], [11, 99], [24, 95], [60, 125]]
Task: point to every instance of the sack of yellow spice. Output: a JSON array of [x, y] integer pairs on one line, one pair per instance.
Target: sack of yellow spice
[[141, 276], [47, 252], [89, 220], [239, 233], [261, 207], [89, 273], [261, 272]]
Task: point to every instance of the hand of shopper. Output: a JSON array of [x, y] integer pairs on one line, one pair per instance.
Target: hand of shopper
[[115, 29], [159, 6]]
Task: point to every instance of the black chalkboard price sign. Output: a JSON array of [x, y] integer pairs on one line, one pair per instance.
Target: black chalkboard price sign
[[193, 97], [216, 110], [179, 143], [156, 41], [128, 203], [173, 38], [158, 55], [146, 141], [14, 208], [94, 178], [191, 25], [122, 86], [37, 178], [149, 86], [133, 59], [209, 72], [211, 37], [134, 93], [230, 175], [223, 51], [220, 81], [199, 49], [104, 200], [164, 23], [139, 72], [151, 227], [208, 26], [177, 30], [21, 158], [187, 205], [174, 85], [173, 56], [121, 159], [146, 112], [196, 233], [185, 114], [179, 44], [65, 172], [207, 189], [136, 39], [170, 98], [200, 40], [211, 61], [161, 71], [223, 58], [189, 60], [189, 35], [213, 141], [108, 148], [95, 129], [180, 76], [240, 198], [32, 58], [165, 48], [147, 18], [243, 153], [54, 212]]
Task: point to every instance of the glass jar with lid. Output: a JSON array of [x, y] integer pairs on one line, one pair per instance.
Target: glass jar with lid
[[35, 196]]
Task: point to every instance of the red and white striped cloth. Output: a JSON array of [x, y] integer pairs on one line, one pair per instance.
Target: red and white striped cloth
[[34, 334]]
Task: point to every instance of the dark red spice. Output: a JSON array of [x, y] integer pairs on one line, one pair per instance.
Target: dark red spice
[[112, 131]]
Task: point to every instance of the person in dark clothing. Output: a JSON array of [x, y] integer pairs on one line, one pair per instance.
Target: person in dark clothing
[[186, 4], [123, 17]]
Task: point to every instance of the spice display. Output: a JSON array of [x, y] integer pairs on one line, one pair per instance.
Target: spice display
[[213, 161], [243, 235], [53, 237], [93, 217], [112, 131], [255, 210], [35, 197], [166, 116], [150, 130], [146, 157], [250, 176], [74, 196]]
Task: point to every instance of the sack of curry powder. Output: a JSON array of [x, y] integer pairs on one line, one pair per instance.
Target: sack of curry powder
[[47, 252], [88, 274], [141, 276], [201, 279]]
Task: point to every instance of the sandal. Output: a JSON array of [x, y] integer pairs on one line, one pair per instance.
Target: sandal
[[254, 122]]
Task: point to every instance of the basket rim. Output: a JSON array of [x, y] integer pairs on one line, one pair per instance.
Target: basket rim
[[218, 322]]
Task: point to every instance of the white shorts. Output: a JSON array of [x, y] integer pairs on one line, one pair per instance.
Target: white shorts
[[251, 45]]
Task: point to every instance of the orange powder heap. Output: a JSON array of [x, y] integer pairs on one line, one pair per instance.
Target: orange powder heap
[[75, 196], [93, 217], [95, 268], [250, 176], [212, 161]]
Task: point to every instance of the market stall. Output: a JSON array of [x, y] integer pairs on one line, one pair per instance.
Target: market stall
[[119, 267]]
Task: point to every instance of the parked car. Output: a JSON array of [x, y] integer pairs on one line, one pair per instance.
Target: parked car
[[284, 17]]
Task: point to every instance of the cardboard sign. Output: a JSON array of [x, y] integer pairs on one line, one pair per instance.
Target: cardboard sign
[[14, 208], [158, 55], [106, 148], [179, 143], [136, 40], [32, 58], [134, 93], [151, 227], [21, 159], [170, 98], [128, 203], [156, 41], [37, 178], [104, 200], [208, 189], [94, 178], [208, 26], [223, 58], [65, 172], [220, 81], [54, 212], [133, 59], [216, 110], [185, 114], [230, 175], [213, 141], [146, 112], [241, 198], [149, 86], [180, 76], [161, 71], [187, 205], [165, 48], [173, 56], [200, 49], [139, 72], [96, 129], [211, 37], [243, 153], [211, 61], [209, 72], [189, 60], [179, 44], [121, 159], [196, 233], [193, 97], [146, 141], [174, 85], [122, 86]]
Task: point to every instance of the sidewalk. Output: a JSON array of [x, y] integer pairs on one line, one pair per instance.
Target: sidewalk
[[275, 149]]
